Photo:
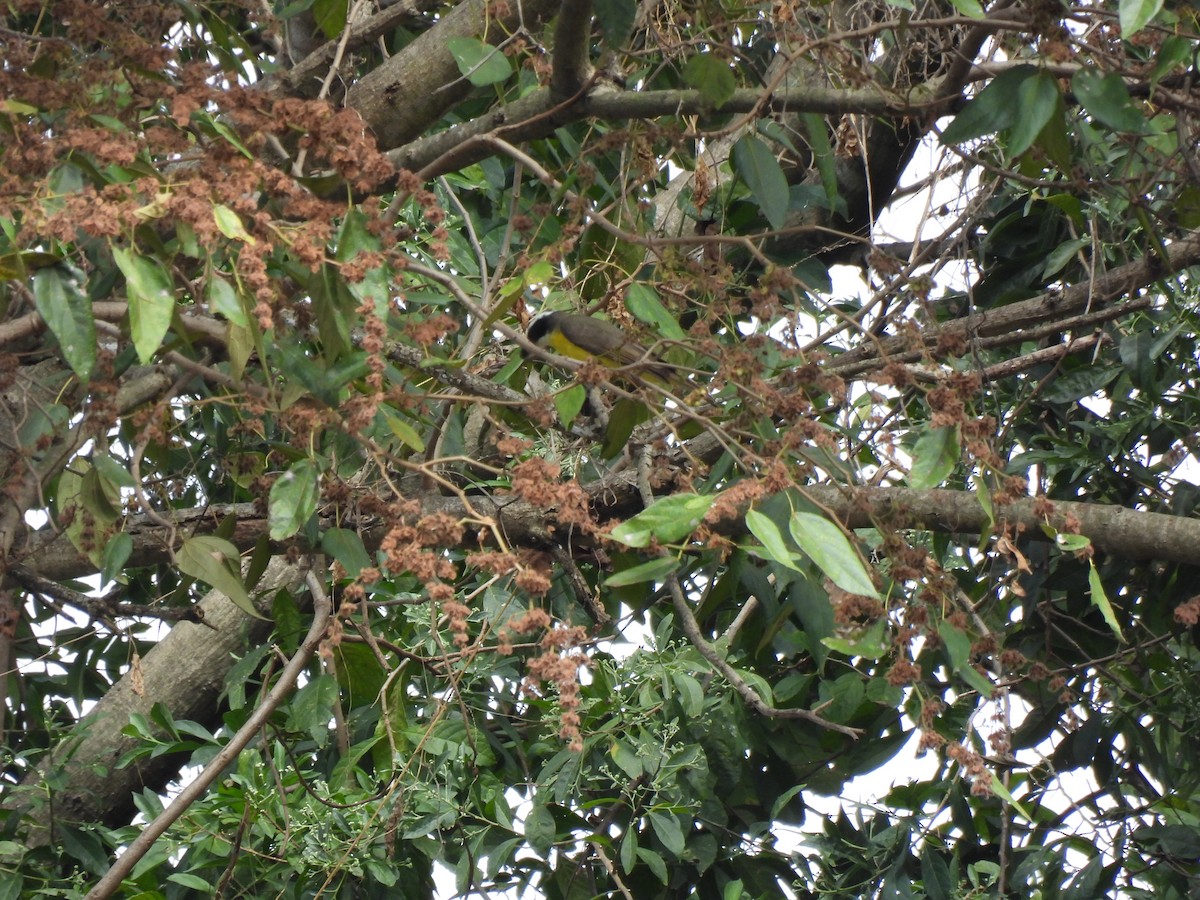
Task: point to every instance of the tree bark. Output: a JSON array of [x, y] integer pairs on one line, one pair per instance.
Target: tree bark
[[80, 781]]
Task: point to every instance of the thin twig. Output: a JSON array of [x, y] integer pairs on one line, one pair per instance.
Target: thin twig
[[691, 629]]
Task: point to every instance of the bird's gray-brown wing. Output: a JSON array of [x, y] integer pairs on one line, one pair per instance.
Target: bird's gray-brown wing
[[618, 348]]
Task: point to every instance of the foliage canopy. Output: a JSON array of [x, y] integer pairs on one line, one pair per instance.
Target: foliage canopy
[[287, 495]]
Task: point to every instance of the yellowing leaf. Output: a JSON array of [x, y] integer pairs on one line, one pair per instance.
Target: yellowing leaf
[[230, 224]]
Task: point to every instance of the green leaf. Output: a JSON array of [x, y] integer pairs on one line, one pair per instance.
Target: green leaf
[[405, 432], [992, 109], [691, 694], [115, 473], [654, 570], [481, 63], [1002, 792], [1174, 54], [195, 882], [230, 224], [957, 644], [1134, 15], [1187, 207], [116, 553], [969, 8], [1083, 382], [347, 548], [711, 77], [293, 499], [629, 849], [934, 457], [643, 303], [211, 560], [669, 831], [330, 16], [667, 520], [771, 538], [625, 416], [616, 18], [655, 863], [375, 283], [1108, 100], [540, 830], [1063, 254], [827, 546], [868, 645], [626, 759], [1177, 840], [935, 876], [223, 300], [568, 403], [971, 676], [984, 494], [759, 168], [1039, 100], [1101, 602], [1054, 141], [827, 164], [207, 121], [538, 275], [67, 311], [1070, 543], [151, 301], [312, 706], [21, 263]]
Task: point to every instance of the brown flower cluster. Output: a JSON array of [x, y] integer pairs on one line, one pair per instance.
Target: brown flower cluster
[[536, 481], [457, 612], [853, 610], [903, 672], [1188, 612], [973, 768], [558, 665], [406, 546]]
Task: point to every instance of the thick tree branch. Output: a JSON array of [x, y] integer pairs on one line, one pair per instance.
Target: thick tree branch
[[412, 90], [1093, 296], [1130, 533], [322, 608], [539, 114], [572, 66], [305, 78], [187, 671]]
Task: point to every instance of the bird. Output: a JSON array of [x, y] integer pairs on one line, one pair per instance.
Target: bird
[[584, 338]]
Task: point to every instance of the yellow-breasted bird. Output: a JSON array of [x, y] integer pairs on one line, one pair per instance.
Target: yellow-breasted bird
[[581, 337]]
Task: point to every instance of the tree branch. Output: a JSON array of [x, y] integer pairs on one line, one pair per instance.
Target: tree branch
[[539, 114], [572, 67], [413, 89], [322, 607], [1090, 295], [186, 670], [691, 628], [304, 79]]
